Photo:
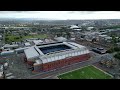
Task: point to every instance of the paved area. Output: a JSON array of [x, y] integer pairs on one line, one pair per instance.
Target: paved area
[[17, 66], [115, 70]]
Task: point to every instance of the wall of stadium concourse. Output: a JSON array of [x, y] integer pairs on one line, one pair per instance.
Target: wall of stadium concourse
[[59, 63]]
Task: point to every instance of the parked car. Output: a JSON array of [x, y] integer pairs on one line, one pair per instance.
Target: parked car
[[99, 50]]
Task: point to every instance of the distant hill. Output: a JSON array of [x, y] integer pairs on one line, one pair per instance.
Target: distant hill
[[66, 22]]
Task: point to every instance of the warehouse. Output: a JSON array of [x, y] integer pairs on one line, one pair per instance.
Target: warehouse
[[8, 46], [75, 27], [50, 56]]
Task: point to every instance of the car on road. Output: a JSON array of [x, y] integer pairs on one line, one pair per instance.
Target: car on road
[[99, 50]]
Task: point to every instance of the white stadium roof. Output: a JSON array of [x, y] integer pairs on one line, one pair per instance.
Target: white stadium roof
[[75, 50], [31, 53]]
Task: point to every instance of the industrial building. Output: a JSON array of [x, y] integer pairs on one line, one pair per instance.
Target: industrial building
[[51, 56], [76, 28], [8, 46], [27, 44]]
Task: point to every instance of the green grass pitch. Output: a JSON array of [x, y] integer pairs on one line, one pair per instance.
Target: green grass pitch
[[89, 72]]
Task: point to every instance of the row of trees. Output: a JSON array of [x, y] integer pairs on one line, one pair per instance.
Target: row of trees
[[110, 27], [61, 32], [113, 49], [115, 39]]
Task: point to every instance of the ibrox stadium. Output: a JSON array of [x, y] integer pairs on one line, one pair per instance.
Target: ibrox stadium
[[51, 56]]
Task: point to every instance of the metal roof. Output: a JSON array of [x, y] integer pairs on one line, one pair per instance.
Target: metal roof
[[7, 52], [31, 53], [74, 26], [27, 44], [60, 39], [76, 45], [8, 45], [45, 58], [37, 42]]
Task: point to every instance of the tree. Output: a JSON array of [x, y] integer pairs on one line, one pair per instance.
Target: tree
[[6, 38], [68, 35], [25, 34], [117, 55], [16, 38]]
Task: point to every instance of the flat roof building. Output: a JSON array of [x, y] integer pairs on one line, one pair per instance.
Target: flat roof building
[[6, 46], [27, 44]]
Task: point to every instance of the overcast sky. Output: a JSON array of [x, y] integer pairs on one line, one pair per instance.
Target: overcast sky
[[61, 14]]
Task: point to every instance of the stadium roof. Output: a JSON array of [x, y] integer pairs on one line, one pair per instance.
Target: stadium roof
[[75, 50], [31, 53]]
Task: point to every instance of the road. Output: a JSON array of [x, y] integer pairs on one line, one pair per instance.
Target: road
[[51, 74]]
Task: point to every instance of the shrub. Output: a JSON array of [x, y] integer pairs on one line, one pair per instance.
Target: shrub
[[115, 49], [111, 50], [117, 55]]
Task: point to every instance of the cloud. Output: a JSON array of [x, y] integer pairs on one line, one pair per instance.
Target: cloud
[[61, 14], [82, 12]]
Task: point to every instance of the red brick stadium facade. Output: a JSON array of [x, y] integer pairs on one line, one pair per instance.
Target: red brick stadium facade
[[59, 63]]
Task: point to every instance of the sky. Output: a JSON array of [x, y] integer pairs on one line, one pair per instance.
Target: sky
[[61, 15]]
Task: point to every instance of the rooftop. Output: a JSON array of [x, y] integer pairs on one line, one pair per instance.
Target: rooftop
[[60, 39], [31, 52], [27, 44], [74, 26], [55, 51]]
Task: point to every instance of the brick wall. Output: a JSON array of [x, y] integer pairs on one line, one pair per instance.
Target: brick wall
[[63, 62]]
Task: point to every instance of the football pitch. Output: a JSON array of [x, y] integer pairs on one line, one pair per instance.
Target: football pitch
[[89, 72]]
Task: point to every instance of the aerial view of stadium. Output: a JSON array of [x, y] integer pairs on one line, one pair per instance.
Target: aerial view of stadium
[[59, 45], [55, 55]]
